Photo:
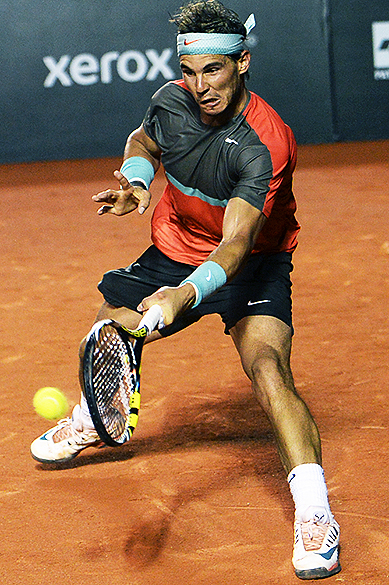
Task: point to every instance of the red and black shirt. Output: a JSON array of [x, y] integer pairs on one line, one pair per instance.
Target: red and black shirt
[[252, 157]]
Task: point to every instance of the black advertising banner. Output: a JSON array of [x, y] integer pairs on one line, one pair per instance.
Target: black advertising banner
[[360, 37], [77, 75], [290, 67]]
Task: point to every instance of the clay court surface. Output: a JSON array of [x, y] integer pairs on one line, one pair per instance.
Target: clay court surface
[[198, 497]]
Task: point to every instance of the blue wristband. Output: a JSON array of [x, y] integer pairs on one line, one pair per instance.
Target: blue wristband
[[207, 278], [138, 168]]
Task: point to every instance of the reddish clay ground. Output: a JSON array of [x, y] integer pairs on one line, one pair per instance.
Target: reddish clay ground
[[198, 496]]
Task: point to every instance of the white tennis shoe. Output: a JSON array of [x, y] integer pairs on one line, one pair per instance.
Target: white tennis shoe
[[316, 546], [64, 441]]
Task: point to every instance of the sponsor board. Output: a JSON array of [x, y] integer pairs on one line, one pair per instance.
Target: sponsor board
[[87, 69], [380, 31]]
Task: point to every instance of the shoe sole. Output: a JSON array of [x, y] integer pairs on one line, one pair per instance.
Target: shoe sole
[[53, 461], [320, 573]]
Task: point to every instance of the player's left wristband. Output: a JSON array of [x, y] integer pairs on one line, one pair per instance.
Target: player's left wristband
[[206, 279], [138, 171]]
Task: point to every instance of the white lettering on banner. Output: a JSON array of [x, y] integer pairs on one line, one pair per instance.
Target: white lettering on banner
[[141, 66], [380, 32], [159, 64], [381, 74], [105, 66], [83, 69], [86, 69], [57, 71]]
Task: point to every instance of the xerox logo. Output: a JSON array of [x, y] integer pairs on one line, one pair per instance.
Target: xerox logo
[[86, 69], [381, 49]]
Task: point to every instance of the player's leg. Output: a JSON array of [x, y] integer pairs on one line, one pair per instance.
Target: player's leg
[[264, 346], [74, 434], [69, 436], [123, 290]]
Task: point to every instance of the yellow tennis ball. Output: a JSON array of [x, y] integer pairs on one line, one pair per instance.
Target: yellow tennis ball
[[50, 403]]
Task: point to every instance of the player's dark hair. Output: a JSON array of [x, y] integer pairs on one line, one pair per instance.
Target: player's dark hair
[[208, 16]]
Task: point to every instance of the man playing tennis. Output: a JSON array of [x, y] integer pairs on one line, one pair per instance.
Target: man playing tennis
[[223, 236]]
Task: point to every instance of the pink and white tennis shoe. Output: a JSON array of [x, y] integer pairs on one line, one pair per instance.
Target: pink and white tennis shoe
[[316, 546]]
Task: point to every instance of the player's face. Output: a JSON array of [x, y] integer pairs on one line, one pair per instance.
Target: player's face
[[217, 85]]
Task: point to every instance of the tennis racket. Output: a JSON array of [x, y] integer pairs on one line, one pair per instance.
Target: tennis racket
[[111, 372]]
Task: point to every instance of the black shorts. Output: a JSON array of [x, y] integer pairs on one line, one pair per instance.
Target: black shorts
[[263, 287]]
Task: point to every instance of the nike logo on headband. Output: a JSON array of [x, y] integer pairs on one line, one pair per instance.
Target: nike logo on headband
[[186, 43]]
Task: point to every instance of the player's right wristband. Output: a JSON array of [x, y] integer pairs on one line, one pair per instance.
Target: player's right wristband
[[206, 279], [138, 169]]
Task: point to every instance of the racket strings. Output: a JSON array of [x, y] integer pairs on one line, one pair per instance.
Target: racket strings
[[114, 379]]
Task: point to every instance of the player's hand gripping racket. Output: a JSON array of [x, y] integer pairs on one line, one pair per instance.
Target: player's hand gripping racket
[[111, 375]]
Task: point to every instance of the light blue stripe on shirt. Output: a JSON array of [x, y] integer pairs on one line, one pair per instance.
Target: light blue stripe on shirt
[[196, 193]]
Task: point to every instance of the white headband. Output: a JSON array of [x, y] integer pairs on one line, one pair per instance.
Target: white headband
[[213, 43]]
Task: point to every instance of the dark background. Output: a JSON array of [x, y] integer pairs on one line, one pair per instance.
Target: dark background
[[312, 61]]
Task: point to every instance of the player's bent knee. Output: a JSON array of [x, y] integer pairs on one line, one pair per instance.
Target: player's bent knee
[[270, 376], [264, 361]]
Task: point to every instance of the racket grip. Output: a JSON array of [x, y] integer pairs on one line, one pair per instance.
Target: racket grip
[[151, 319]]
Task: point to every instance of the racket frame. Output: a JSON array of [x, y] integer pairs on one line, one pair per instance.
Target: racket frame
[[134, 351], [133, 340]]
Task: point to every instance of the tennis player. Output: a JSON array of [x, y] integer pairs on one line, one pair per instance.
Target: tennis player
[[223, 235]]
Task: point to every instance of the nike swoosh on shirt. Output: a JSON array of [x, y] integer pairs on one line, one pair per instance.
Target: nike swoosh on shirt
[[231, 141], [258, 302]]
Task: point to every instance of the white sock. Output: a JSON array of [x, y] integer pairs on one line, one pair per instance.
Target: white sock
[[81, 417], [309, 491]]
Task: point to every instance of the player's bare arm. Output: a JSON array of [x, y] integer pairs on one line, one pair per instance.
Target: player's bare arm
[[139, 144], [129, 197], [241, 227]]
